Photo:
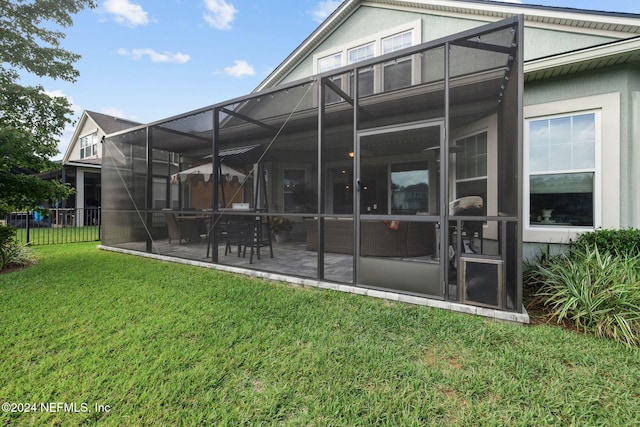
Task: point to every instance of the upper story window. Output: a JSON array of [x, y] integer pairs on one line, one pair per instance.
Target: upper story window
[[397, 74], [372, 79], [329, 63], [562, 170], [89, 145], [366, 80]]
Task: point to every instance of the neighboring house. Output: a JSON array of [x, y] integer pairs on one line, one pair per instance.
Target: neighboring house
[[368, 102], [82, 161]]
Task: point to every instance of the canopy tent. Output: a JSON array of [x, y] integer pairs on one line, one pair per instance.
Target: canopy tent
[[205, 171]]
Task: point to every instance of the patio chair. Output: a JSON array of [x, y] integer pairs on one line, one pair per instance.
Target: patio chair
[[187, 230]]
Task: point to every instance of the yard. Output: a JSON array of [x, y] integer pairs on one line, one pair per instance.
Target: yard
[[93, 337]]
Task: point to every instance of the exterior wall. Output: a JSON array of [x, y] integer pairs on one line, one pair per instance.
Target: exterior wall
[[620, 160], [88, 127], [622, 81], [539, 42], [635, 155], [623, 132]]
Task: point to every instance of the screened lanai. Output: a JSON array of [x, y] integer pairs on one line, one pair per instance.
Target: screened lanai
[[401, 173]]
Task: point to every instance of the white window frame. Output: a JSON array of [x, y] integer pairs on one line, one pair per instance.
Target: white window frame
[[333, 56], [488, 125], [606, 108], [414, 27], [399, 60], [91, 146], [332, 97], [369, 69]]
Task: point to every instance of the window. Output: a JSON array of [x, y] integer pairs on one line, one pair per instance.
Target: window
[[375, 79], [89, 145], [329, 63], [365, 75], [562, 170], [397, 74], [295, 191], [471, 166], [159, 193]]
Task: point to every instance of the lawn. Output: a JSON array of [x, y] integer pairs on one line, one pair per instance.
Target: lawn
[[152, 343]]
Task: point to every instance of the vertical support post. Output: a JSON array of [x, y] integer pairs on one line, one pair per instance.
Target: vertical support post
[[79, 198], [214, 226], [321, 186], [356, 181], [519, 62], [149, 189], [444, 182]]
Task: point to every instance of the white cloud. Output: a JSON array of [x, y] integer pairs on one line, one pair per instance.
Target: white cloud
[[58, 93], [508, 1], [221, 14], [240, 68], [69, 129], [324, 9], [114, 112], [126, 13], [136, 54]]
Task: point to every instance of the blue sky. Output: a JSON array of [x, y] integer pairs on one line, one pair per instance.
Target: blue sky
[[146, 60]]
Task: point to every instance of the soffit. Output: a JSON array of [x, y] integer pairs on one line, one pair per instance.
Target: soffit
[[562, 16], [624, 52]]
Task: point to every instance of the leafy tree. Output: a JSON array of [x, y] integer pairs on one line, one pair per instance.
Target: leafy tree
[[31, 121]]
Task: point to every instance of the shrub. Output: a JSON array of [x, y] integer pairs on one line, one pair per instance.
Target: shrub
[[280, 224], [596, 291], [613, 241], [12, 253]]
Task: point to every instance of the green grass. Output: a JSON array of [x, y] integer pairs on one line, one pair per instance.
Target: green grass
[[169, 344]]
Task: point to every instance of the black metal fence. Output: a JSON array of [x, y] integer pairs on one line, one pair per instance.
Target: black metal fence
[[57, 225]]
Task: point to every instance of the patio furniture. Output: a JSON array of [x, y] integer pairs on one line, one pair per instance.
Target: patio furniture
[[411, 239], [242, 232], [187, 229]]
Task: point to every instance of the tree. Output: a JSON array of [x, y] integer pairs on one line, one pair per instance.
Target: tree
[[31, 121]]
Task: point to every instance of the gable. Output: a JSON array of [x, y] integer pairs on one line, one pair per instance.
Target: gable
[[110, 124], [99, 125], [545, 33]]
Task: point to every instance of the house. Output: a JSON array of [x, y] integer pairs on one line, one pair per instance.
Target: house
[[422, 148], [81, 163]]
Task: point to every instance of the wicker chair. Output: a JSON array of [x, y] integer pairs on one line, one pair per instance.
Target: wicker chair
[[189, 231], [411, 239]]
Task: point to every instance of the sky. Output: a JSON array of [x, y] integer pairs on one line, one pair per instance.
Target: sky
[[146, 60]]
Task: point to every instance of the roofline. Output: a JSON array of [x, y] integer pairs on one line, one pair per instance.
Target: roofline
[[83, 165], [488, 27], [589, 54], [531, 68], [485, 8], [76, 134], [551, 11]]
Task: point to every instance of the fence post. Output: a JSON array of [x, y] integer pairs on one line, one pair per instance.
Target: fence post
[[28, 220]]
